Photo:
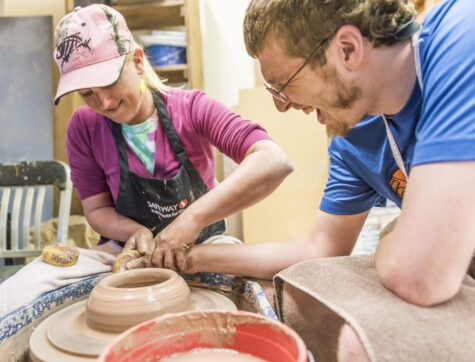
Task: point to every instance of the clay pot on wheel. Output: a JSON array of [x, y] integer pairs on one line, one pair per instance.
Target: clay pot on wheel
[[81, 331], [123, 300]]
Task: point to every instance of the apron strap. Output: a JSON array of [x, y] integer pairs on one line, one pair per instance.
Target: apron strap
[[394, 148], [120, 143], [392, 141], [175, 142], [416, 40]]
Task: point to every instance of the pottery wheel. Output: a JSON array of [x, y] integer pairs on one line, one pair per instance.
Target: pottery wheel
[[207, 299], [66, 333], [42, 350], [70, 332]]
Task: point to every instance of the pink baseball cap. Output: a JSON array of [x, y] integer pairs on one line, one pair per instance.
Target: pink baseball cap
[[91, 46]]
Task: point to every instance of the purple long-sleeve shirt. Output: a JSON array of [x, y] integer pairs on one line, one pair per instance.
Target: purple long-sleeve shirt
[[201, 123]]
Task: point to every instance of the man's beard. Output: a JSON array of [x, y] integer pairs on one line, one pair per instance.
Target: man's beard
[[337, 129], [346, 96]]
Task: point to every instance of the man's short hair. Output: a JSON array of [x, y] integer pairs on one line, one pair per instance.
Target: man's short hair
[[300, 25]]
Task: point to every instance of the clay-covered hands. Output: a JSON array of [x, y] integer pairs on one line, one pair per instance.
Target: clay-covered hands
[[139, 240], [168, 249]]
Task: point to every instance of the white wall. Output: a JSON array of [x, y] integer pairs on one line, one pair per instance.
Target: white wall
[[227, 67]]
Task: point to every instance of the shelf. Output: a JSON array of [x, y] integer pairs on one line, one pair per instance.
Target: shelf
[[173, 73], [171, 68], [158, 14], [149, 15], [146, 2]]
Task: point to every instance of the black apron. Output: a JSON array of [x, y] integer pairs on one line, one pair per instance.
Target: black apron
[[155, 203]]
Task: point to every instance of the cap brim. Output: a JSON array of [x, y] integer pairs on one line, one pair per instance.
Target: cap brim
[[92, 76]]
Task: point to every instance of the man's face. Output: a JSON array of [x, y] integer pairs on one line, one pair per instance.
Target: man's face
[[337, 102]]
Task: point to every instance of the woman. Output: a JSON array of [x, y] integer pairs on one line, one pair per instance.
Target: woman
[[142, 154]]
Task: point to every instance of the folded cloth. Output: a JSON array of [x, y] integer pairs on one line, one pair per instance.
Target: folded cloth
[[38, 277], [316, 297]]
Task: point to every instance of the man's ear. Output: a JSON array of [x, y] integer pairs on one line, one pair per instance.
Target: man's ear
[[350, 46], [139, 60]]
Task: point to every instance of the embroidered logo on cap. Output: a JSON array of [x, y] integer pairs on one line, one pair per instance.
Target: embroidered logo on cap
[[70, 44]]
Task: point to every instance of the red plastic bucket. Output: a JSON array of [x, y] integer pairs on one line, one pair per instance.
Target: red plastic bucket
[[174, 333]]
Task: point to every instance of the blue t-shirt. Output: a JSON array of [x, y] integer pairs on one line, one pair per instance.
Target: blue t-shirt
[[437, 124]]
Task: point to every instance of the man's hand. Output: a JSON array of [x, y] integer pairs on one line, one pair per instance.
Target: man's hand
[[166, 254], [171, 245], [169, 248]]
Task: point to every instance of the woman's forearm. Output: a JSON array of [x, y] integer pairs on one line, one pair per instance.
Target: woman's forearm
[[107, 222], [258, 175]]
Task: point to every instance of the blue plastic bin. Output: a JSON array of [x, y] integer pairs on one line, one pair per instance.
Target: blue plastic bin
[[160, 55]]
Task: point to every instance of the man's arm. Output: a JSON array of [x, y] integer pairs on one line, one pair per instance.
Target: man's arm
[[426, 257], [332, 235], [264, 167]]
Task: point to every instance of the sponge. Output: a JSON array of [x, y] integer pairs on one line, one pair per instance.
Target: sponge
[[60, 255]]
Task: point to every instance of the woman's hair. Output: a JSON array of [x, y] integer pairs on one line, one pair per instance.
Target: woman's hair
[[152, 80], [300, 25]]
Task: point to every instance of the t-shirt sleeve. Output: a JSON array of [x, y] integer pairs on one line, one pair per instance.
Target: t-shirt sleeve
[[345, 193], [87, 176], [223, 128], [446, 130]]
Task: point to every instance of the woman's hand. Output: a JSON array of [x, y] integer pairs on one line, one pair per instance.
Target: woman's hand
[[140, 241], [170, 246], [168, 249]]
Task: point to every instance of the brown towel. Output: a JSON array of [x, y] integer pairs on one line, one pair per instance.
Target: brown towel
[[316, 297]]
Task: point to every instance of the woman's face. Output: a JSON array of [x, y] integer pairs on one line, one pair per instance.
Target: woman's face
[[122, 101]]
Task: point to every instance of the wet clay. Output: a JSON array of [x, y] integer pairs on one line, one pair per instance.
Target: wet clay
[[123, 300], [123, 258], [214, 330], [212, 355], [137, 285]]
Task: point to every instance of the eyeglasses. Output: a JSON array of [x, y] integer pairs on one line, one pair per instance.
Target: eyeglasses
[[277, 92]]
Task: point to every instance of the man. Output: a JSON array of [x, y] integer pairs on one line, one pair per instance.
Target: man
[[423, 6], [398, 103]]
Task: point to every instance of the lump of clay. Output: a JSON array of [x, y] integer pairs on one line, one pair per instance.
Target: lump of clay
[[60, 255], [123, 258]]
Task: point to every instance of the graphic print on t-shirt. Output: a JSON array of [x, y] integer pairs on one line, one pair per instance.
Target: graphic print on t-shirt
[[398, 183]]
